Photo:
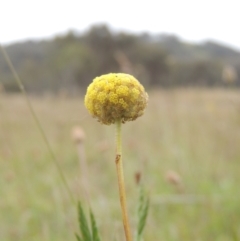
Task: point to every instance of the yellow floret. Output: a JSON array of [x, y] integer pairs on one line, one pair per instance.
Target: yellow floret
[[113, 98], [122, 90], [108, 86], [135, 93], [101, 97], [99, 85], [123, 103]]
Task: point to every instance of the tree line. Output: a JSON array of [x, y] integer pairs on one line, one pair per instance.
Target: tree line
[[71, 61]]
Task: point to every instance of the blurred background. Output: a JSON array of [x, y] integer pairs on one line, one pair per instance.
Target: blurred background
[[185, 147], [56, 46]]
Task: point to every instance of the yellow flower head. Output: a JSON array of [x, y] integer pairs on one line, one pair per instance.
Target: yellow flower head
[[111, 97]]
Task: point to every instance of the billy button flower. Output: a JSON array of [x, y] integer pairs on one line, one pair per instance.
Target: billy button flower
[[113, 97], [117, 98]]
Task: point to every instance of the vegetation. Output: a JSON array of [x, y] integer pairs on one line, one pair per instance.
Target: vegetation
[[188, 149], [67, 62], [193, 132]]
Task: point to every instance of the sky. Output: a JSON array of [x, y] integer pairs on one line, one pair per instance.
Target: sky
[[190, 20]]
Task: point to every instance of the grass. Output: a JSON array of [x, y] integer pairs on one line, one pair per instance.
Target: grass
[[194, 132]]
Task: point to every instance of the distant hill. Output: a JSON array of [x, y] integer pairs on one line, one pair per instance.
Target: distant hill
[[190, 51], [72, 60]]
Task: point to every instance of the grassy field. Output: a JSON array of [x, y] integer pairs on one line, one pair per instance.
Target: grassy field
[[193, 134]]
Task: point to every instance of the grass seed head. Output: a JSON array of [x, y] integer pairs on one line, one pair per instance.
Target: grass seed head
[[111, 97], [173, 178], [78, 134]]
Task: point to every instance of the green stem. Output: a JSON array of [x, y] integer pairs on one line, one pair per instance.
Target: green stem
[[22, 89], [121, 186], [119, 137]]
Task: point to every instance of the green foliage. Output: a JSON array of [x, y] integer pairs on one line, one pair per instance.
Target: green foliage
[[95, 234], [192, 131], [142, 213], [87, 233]]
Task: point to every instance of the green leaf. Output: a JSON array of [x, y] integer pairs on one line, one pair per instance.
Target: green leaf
[[78, 237], [143, 217], [83, 225], [142, 213], [95, 234]]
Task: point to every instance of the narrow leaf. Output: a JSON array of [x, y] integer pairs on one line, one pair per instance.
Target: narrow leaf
[[143, 217], [142, 213], [83, 225], [95, 234], [78, 237]]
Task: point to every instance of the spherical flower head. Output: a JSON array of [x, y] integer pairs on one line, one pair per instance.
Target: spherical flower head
[[113, 97]]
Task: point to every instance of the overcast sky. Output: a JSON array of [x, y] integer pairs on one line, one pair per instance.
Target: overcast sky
[[189, 19]]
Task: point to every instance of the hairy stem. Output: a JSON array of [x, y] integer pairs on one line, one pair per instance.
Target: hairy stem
[[121, 186]]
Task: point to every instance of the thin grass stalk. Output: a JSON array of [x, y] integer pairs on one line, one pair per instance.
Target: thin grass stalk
[[121, 185], [39, 126], [83, 170]]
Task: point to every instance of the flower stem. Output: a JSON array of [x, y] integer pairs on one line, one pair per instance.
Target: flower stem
[[121, 186]]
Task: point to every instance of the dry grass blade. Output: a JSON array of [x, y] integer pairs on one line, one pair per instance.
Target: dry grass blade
[[39, 126]]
